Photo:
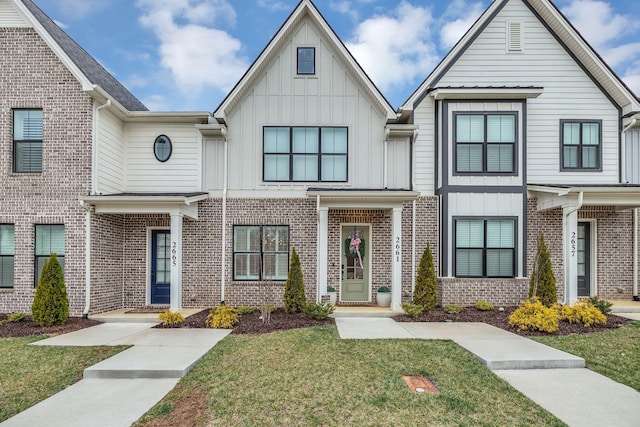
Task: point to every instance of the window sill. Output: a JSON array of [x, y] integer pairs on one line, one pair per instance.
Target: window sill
[[6, 290]]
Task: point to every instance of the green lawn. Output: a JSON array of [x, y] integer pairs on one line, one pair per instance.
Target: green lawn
[[614, 353], [29, 374], [310, 377]]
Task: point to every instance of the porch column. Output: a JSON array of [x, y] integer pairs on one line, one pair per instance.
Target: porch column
[[176, 262], [323, 245], [396, 265], [570, 219]]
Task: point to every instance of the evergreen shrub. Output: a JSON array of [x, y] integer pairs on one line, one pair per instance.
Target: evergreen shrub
[[294, 297], [51, 304]]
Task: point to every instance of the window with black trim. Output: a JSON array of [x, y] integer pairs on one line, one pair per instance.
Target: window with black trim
[[485, 143], [581, 145], [305, 154], [49, 240], [27, 141], [306, 60], [485, 247], [7, 252], [260, 252]]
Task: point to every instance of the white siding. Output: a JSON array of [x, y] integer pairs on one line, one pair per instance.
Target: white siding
[[632, 156], [213, 155], [398, 159], [10, 17], [110, 166], [568, 93], [425, 147], [146, 174], [330, 98]]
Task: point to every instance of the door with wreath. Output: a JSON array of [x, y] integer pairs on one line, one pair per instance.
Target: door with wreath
[[356, 250]]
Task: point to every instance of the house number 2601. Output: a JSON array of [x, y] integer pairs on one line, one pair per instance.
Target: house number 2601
[[174, 251], [397, 249]]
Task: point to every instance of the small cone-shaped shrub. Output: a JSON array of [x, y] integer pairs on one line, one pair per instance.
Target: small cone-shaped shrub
[[51, 305], [294, 298], [426, 291], [543, 282]]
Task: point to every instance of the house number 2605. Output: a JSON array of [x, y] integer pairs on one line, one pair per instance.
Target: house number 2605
[[397, 249], [174, 251]]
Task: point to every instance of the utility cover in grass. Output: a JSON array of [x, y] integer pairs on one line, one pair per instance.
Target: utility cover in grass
[[420, 384]]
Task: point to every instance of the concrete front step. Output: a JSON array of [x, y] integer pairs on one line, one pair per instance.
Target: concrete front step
[[363, 311]]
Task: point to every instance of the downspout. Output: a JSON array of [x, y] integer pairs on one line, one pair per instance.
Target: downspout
[[318, 296], [87, 213], [413, 213], [623, 148], [385, 180], [635, 255], [580, 198], [96, 146], [224, 216]]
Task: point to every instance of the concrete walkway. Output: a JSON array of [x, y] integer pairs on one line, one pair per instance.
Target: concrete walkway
[[555, 380], [120, 389]]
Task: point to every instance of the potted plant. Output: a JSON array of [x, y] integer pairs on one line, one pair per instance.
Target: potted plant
[[331, 291], [384, 296]]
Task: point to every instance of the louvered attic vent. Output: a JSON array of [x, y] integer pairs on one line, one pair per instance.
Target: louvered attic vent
[[514, 36]]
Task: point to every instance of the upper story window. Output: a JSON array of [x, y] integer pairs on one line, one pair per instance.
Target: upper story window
[[305, 154], [581, 146], [306, 60], [27, 141], [485, 247], [7, 251], [162, 148], [260, 252], [49, 240], [485, 143]]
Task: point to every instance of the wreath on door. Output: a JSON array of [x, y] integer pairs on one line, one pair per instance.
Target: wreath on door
[[350, 251]]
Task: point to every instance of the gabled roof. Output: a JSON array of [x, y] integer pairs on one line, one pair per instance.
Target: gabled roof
[[84, 67], [305, 10], [563, 31]]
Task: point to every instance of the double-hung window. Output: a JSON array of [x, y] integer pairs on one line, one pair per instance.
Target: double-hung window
[[581, 144], [485, 247], [306, 60], [305, 154], [49, 240], [7, 251], [260, 252], [27, 141], [485, 143]]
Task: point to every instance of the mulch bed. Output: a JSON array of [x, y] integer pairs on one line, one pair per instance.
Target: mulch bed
[[27, 327], [280, 320], [500, 319]]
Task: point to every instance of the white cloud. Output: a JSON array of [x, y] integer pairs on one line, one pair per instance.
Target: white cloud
[[197, 56], [457, 19], [80, 9], [274, 5], [397, 48]]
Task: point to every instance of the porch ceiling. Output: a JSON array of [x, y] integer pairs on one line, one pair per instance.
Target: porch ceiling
[[147, 203], [622, 196], [362, 199]]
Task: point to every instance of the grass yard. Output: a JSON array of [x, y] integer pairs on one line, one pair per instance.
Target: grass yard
[[29, 374], [310, 377], [614, 353]]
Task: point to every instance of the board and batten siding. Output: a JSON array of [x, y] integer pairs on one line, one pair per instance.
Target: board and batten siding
[[110, 167], [10, 17], [181, 173], [424, 148], [568, 93], [279, 97], [632, 156]]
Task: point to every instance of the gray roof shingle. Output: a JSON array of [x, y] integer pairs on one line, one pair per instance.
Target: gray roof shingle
[[85, 62]]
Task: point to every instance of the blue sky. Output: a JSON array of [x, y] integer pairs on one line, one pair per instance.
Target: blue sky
[[184, 55]]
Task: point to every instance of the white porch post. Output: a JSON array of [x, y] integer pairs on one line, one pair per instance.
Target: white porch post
[[176, 262], [570, 219], [323, 245], [396, 267]]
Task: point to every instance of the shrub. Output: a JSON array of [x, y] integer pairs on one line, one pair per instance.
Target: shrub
[[601, 304], [543, 282], [294, 298], [243, 309], [171, 318], [384, 290], [452, 308], [535, 316], [15, 317], [426, 290], [484, 306], [411, 309], [318, 310], [223, 317], [583, 312], [51, 305]]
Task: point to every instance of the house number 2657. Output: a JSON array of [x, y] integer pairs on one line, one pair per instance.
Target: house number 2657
[[573, 244], [397, 249]]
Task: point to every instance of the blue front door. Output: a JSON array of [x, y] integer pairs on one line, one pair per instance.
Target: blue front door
[[160, 266]]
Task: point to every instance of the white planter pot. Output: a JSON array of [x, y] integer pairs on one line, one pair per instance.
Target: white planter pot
[[333, 296], [384, 299]]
